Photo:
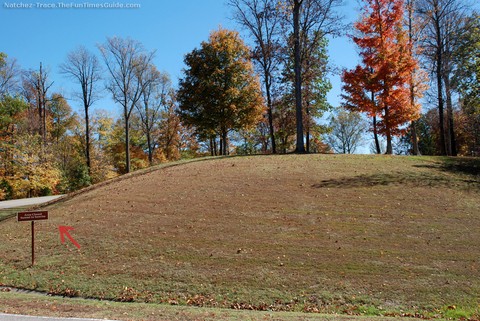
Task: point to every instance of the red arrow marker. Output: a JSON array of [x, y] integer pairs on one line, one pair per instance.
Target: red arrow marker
[[64, 231]]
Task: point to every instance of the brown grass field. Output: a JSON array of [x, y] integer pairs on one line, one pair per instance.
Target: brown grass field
[[355, 235]]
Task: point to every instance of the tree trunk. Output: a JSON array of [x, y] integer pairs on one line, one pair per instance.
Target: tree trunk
[[150, 150], [413, 128], [87, 141], [42, 106], [300, 146], [452, 143], [224, 142], [307, 126], [375, 135], [40, 117], [44, 121], [127, 143], [270, 112], [307, 140], [211, 147], [443, 146], [439, 72], [389, 150], [413, 131], [149, 134]]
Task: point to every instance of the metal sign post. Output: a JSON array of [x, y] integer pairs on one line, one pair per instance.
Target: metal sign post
[[32, 217]]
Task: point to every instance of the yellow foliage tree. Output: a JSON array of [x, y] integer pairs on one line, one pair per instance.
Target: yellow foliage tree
[[220, 91], [33, 173]]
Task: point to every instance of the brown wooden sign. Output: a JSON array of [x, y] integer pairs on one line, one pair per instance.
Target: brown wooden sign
[[32, 216]]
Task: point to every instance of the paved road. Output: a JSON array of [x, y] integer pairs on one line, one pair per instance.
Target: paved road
[[28, 201], [13, 317]]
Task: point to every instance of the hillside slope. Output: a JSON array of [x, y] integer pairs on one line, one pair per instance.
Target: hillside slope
[[329, 233]]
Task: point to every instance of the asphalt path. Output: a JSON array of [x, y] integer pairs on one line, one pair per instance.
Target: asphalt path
[[13, 317], [27, 201]]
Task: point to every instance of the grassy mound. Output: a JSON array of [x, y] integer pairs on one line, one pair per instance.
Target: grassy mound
[[315, 233]]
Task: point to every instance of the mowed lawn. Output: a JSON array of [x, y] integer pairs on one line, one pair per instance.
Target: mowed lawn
[[314, 233]]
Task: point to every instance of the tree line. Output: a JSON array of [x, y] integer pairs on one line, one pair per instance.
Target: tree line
[[232, 98], [47, 148], [417, 83], [416, 49]]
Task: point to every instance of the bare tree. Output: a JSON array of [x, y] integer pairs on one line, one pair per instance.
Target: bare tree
[[157, 88], [261, 18], [84, 67], [452, 31], [126, 61], [376, 142], [9, 72], [346, 133], [39, 84], [441, 19], [310, 20]]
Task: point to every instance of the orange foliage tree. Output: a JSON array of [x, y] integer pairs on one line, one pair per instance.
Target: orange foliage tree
[[387, 65]]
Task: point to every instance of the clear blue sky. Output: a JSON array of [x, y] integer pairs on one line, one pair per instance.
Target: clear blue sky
[[172, 28]]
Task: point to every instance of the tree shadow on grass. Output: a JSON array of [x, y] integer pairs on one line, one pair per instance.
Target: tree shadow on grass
[[384, 179], [414, 179], [468, 166]]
